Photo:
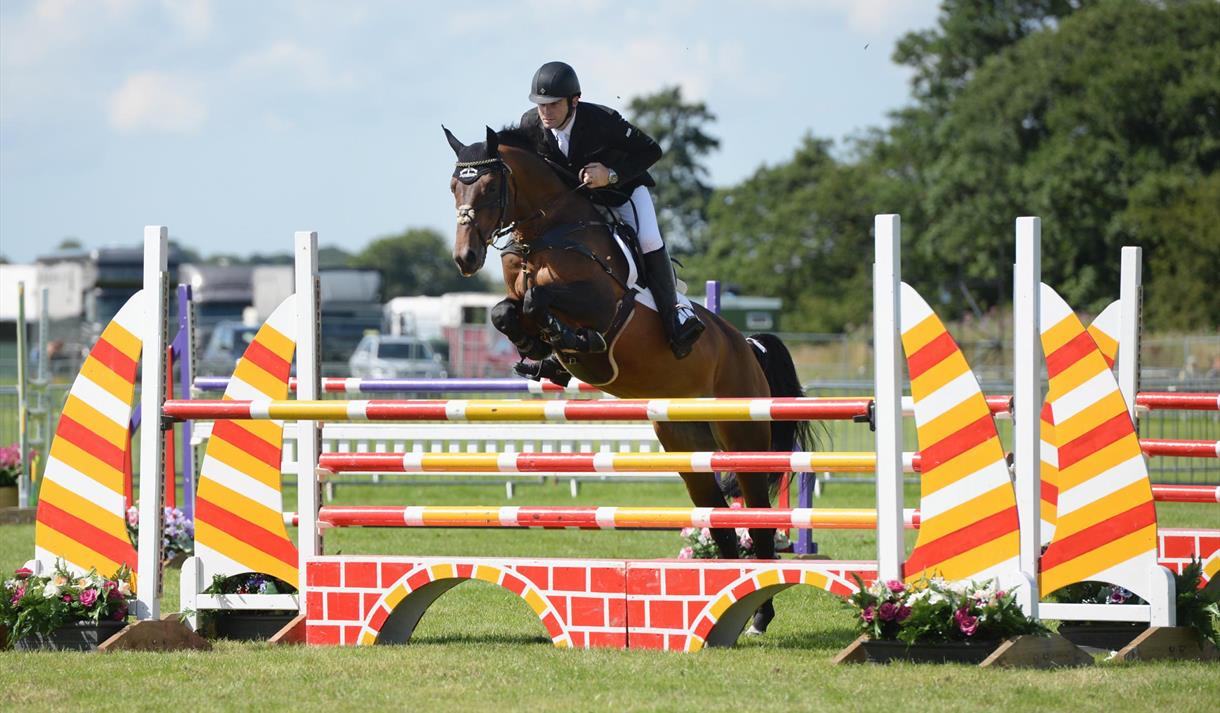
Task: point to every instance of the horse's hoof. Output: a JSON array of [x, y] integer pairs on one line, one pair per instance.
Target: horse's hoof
[[754, 632]]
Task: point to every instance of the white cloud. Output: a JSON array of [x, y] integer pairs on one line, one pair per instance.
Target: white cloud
[[193, 16], [646, 64], [52, 27], [157, 101], [287, 61]]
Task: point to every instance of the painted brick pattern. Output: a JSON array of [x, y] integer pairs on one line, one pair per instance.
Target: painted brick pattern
[[580, 602], [667, 604], [1176, 546], [674, 604]]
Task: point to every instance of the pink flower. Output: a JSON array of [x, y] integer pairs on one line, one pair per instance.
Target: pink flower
[[867, 614], [120, 614], [887, 611], [110, 585], [895, 586], [966, 623], [88, 597], [903, 612], [686, 553], [735, 504], [67, 598], [18, 593], [24, 573]]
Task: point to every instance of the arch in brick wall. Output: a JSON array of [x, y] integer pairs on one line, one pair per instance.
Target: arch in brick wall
[[394, 617], [722, 620]]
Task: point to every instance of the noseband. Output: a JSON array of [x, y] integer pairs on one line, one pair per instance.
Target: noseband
[[465, 212]]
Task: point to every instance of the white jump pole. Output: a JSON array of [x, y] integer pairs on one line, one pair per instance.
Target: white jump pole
[[152, 445], [887, 390], [1027, 396], [309, 384], [1130, 307]]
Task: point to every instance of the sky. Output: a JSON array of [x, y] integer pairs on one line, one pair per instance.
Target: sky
[[237, 123]]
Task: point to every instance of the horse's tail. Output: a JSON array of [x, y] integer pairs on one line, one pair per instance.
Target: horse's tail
[[777, 365]]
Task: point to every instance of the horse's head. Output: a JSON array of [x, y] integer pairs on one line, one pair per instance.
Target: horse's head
[[480, 192]]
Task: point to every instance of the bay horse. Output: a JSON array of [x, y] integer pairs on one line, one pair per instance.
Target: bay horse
[[569, 293]]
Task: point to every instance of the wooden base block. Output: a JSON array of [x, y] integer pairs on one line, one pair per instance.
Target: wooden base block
[[292, 633], [1037, 652], [168, 634], [854, 653], [1180, 643]]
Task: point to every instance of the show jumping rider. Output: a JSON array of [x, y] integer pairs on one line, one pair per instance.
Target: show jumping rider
[[612, 157]]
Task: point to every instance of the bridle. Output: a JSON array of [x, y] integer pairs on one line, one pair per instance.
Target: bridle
[[466, 211], [499, 167]]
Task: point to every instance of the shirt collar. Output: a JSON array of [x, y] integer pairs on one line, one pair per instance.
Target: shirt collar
[[566, 129]]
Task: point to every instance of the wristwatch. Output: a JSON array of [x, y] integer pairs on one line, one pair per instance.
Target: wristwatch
[[613, 176]]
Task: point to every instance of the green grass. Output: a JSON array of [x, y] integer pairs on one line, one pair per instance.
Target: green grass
[[481, 648]]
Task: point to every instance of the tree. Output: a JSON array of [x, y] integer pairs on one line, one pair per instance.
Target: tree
[[1073, 125], [682, 191], [795, 231], [414, 262]]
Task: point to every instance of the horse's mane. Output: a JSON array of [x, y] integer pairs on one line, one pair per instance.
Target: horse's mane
[[521, 138]]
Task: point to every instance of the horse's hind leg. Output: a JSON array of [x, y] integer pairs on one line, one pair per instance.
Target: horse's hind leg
[[755, 490], [703, 489]]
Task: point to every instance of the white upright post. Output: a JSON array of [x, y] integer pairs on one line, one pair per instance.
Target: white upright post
[[309, 542], [152, 445], [887, 414], [1027, 395], [1129, 308]]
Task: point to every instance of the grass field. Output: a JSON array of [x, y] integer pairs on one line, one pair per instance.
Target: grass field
[[480, 648]]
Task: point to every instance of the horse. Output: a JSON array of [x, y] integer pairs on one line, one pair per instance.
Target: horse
[[569, 293]]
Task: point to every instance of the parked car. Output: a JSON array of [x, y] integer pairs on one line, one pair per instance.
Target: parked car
[[227, 344], [383, 356]]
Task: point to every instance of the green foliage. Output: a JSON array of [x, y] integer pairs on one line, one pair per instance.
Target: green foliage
[[248, 583], [934, 610], [32, 604], [1101, 118], [416, 261], [1198, 607], [682, 190], [795, 231], [1070, 123]]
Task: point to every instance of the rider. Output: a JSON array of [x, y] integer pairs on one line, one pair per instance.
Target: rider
[[612, 157]]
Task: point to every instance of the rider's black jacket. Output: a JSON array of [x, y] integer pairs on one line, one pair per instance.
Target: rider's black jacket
[[600, 135]]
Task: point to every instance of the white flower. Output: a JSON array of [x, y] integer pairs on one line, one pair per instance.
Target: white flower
[[124, 588], [51, 590]]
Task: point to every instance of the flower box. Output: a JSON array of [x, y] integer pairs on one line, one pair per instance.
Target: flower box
[[251, 624], [968, 652], [1108, 635], [8, 496], [74, 636]]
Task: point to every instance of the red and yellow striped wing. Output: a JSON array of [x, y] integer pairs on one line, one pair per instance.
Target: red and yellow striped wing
[[239, 525]]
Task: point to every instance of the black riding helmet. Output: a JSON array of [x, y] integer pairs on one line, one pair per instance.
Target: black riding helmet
[[552, 82]]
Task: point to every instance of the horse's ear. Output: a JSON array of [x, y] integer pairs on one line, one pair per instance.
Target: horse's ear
[[493, 141], [453, 141]]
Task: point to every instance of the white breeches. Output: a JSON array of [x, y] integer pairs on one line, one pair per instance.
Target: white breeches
[[646, 225]]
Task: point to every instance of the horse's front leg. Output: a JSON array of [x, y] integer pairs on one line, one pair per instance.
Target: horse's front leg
[[571, 300], [506, 316]]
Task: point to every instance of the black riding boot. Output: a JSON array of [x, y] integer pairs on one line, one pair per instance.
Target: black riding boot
[[682, 326]]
